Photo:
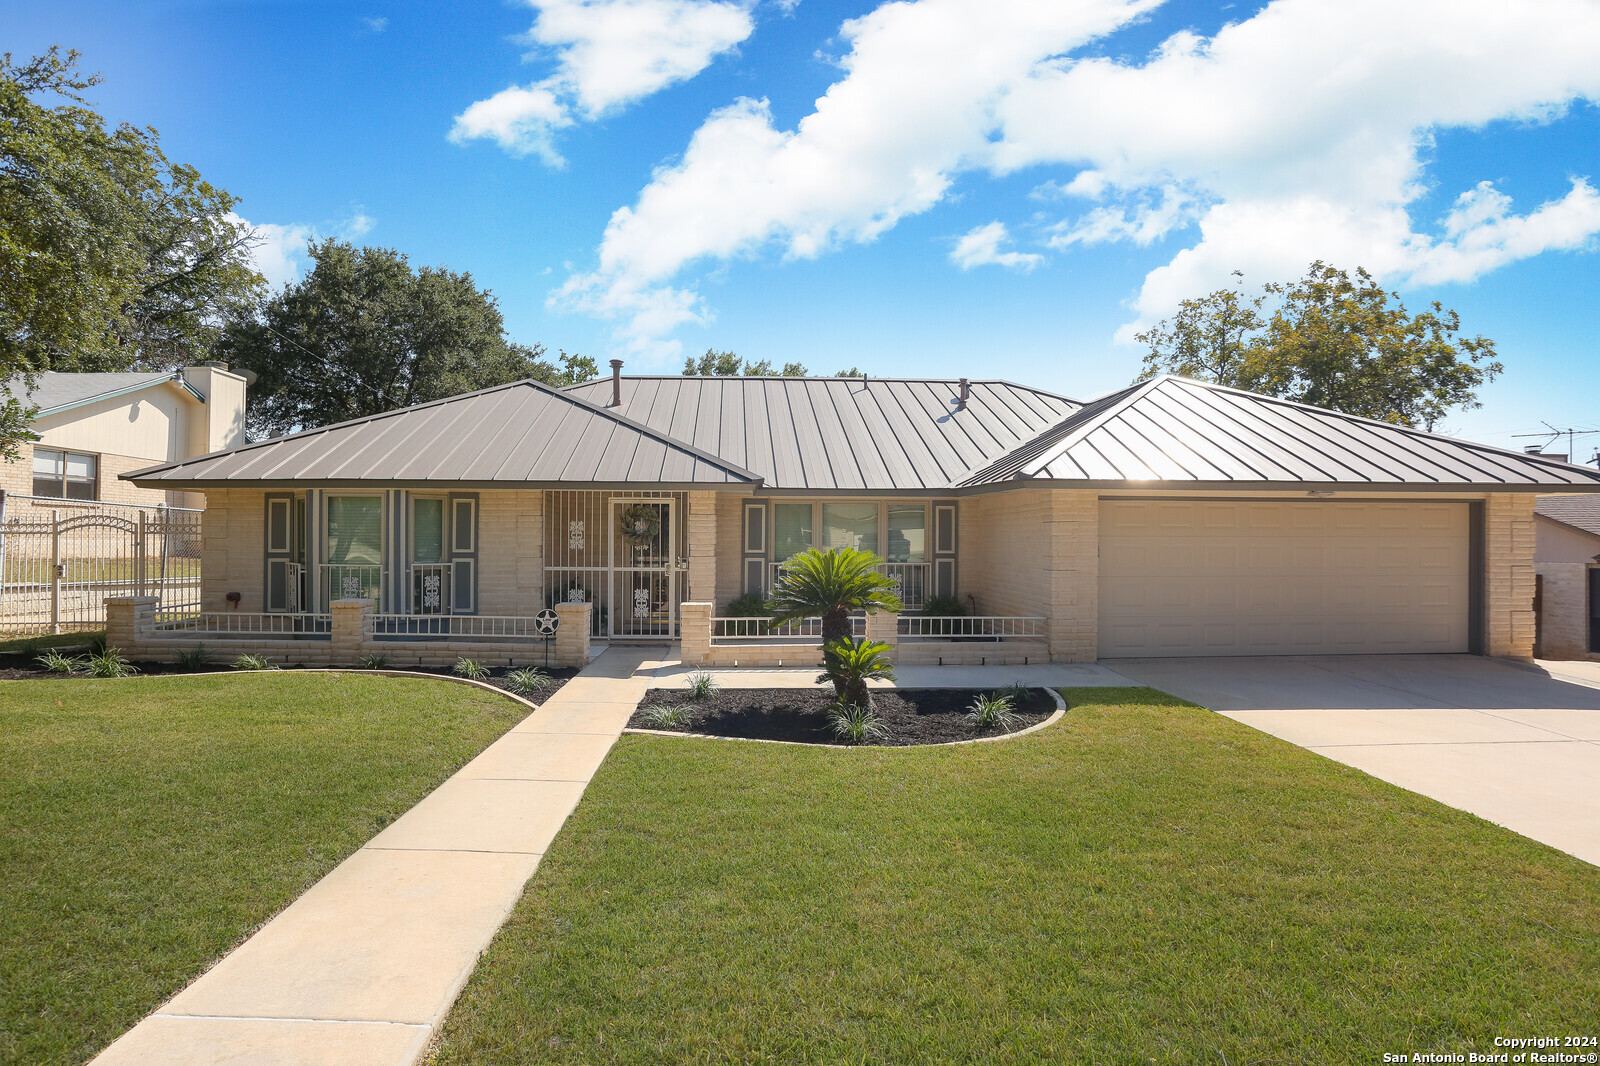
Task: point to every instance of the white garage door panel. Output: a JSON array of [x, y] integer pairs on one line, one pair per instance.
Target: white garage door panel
[[1209, 577]]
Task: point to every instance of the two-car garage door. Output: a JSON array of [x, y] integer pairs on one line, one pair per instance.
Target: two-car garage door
[[1227, 577]]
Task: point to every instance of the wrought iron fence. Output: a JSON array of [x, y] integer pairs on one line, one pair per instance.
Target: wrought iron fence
[[179, 625], [477, 626], [350, 581], [972, 627], [59, 564], [729, 630]]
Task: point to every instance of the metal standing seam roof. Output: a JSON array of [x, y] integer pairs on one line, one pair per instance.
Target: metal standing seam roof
[[1174, 429], [840, 434], [522, 432]]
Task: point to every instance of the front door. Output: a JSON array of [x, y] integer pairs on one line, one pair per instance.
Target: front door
[[644, 569]]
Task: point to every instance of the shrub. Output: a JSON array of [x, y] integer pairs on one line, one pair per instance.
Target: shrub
[[375, 660], [56, 663], [110, 663], [471, 669], [192, 658], [702, 686], [944, 606], [855, 724], [849, 664], [249, 661], [992, 712], [667, 717], [528, 680], [1016, 692]]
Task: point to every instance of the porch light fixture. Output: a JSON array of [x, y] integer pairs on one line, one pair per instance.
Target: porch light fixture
[[1320, 494]]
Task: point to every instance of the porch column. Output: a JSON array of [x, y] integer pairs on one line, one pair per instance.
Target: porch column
[[1072, 572], [702, 526], [1508, 539], [530, 552]]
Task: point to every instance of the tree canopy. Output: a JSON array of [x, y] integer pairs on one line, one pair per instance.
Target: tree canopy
[[111, 256], [729, 364], [363, 333], [1327, 340]]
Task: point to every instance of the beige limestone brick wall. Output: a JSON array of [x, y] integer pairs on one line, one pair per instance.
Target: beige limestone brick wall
[[1564, 611], [511, 552], [730, 548], [233, 550], [701, 528], [1508, 580]]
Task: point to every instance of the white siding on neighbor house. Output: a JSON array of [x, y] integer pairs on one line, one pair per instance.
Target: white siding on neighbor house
[[1222, 577]]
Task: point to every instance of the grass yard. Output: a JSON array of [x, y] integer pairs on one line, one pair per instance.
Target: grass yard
[[1143, 882], [147, 825], [33, 644]]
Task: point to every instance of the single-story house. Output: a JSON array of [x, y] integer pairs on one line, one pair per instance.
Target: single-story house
[[1169, 518], [1566, 560], [92, 428]]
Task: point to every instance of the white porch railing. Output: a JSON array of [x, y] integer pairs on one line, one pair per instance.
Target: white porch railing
[[348, 581], [972, 627], [727, 630], [186, 624], [473, 626], [912, 581]]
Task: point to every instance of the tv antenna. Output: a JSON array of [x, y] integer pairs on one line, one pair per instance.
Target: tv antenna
[[1571, 433]]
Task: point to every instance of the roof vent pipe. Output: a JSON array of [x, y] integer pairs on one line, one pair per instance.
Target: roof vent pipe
[[966, 391], [616, 383]]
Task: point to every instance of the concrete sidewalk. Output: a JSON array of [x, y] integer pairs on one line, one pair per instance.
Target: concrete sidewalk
[[361, 969]]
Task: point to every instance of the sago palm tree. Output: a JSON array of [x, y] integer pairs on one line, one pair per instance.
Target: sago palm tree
[[832, 584], [850, 664]]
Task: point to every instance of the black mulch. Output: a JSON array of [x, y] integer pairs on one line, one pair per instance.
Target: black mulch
[[912, 716], [15, 667]]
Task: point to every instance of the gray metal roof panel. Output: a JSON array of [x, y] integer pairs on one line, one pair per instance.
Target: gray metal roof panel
[[521, 432], [845, 434], [1173, 430]]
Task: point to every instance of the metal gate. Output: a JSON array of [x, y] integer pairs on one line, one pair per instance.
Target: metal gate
[[622, 552], [58, 565]]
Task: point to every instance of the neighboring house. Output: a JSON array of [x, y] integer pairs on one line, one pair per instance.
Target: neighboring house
[[1169, 518], [1567, 561], [92, 428]]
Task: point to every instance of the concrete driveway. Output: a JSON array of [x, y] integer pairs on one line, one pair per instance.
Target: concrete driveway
[[1515, 745]]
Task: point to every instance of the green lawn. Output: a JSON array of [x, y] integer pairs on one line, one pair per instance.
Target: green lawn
[[1143, 882], [147, 825]]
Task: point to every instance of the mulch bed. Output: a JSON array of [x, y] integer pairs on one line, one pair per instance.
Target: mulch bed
[[912, 716], [14, 667]]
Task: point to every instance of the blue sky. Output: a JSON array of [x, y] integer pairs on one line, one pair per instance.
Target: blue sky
[[937, 187]]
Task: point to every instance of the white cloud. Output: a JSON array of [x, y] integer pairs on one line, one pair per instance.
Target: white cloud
[[1295, 134], [375, 24], [980, 246], [609, 54], [279, 251]]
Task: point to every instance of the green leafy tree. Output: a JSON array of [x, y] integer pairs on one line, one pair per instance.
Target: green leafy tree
[[832, 584], [364, 333], [567, 370], [728, 364], [111, 256], [1329, 340]]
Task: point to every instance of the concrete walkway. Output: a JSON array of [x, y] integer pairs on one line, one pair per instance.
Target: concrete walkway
[[361, 969], [1513, 744]]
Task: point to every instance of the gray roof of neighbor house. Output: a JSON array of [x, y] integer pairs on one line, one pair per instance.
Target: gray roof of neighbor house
[[519, 433], [1580, 512], [840, 434], [1176, 430], [54, 391]]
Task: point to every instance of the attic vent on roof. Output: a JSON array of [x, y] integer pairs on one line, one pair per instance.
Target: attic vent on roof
[[966, 393], [616, 383]]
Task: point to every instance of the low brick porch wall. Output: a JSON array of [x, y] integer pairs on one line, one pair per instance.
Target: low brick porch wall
[[131, 629]]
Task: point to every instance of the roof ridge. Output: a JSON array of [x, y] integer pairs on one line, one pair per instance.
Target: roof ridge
[[577, 401], [1089, 419], [1378, 422], [821, 377]]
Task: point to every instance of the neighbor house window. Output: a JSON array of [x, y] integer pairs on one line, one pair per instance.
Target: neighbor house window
[[850, 525], [908, 528], [68, 475], [791, 529]]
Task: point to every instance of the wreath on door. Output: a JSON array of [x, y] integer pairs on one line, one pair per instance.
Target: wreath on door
[[641, 523]]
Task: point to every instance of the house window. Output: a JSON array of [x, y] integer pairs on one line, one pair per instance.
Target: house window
[[67, 475], [908, 528], [791, 529], [427, 531], [354, 530], [850, 525]]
